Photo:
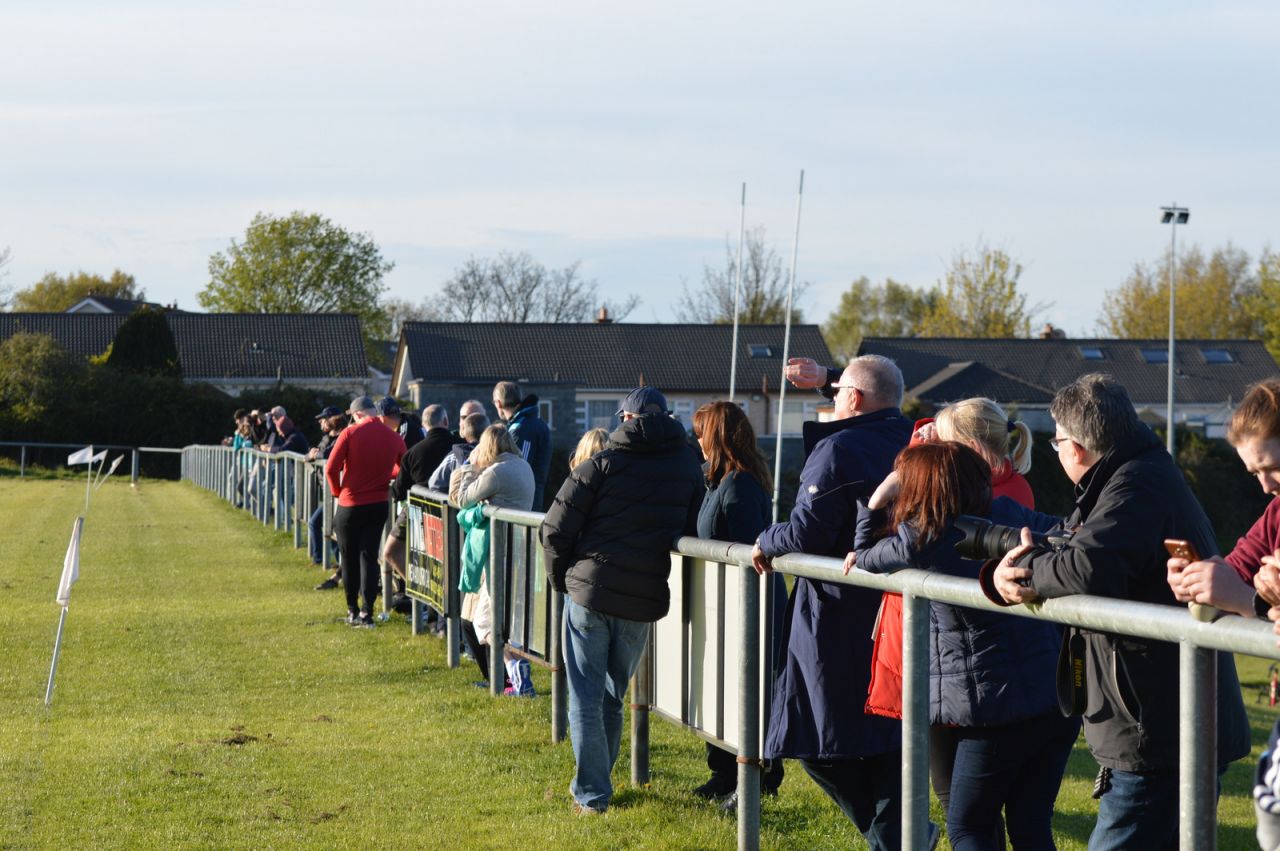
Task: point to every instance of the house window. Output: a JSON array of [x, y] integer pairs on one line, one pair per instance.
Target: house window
[[1217, 356], [602, 413], [544, 411], [795, 414], [1155, 355], [760, 351], [682, 409], [1092, 353]]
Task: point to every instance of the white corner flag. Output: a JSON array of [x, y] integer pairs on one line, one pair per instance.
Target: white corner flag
[[70, 573], [70, 565], [85, 456]]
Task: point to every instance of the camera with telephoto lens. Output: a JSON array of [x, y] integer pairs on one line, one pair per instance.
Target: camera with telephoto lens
[[984, 539]]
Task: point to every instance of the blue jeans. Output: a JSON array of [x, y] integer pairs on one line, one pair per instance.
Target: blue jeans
[[869, 791], [601, 653], [1016, 768], [316, 540]]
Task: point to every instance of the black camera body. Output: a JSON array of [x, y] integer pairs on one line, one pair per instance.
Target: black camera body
[[985, 540]]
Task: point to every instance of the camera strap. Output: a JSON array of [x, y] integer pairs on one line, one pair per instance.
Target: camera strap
[[1072, 695]]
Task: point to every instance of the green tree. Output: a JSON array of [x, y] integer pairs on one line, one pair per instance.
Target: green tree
[[1217, 297], [764, 287], [890, 309], [38, 378], [144, 344], [55, 293], [979, 298], [1264, 304], [300, 263], [517, 288]]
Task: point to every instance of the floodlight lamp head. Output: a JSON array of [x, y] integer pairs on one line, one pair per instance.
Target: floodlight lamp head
[[1166, 217], [1183, 216]]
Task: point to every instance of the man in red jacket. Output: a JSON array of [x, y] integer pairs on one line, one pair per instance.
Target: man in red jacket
[[360, 467]]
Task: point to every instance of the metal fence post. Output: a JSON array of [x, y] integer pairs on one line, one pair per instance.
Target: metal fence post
[[296, 502], [382, 546], [326, 524], [559, 683], [22, 464], [453, 620], [749, 713], [498, 603], [1197, 747], [915, 721], [641, 695], [133, 481]]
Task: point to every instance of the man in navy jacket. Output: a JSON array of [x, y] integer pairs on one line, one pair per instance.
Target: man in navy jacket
[[821, 687]]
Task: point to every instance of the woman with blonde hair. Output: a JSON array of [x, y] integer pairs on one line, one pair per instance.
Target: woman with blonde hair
[[497, 475], [1004, 444], [589, 444]]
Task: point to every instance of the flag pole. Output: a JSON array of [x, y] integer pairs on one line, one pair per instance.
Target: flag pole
[[88, 483], [786, 353], [737, 295], [57, 649]]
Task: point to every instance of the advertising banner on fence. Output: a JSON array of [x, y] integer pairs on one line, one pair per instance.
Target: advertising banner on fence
[[428, 550]]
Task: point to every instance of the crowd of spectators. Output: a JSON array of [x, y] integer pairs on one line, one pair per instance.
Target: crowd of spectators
[[882, 493]]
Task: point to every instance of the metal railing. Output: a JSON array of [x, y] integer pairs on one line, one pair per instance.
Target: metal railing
[[512, 575], [135, 452]]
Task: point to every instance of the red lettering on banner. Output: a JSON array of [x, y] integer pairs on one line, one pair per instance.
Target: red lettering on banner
[[433, 536]]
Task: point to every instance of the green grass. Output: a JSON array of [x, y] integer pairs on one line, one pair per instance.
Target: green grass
[[208, 698]]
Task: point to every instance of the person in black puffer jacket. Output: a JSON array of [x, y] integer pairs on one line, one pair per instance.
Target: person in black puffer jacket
[[608, 538]]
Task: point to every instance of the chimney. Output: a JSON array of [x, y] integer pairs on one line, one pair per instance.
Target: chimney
[[602, 318]]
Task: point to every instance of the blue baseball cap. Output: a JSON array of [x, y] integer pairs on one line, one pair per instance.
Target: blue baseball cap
[[640, 398]]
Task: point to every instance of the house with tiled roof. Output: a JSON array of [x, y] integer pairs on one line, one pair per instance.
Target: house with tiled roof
[[581, 371], [1210, 375], [231, 351], [110, 304]]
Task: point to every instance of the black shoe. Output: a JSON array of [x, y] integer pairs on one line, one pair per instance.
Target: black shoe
[[366, 619], [328, 585], [717, 787], [353, 619], [401, 604], [729, 806]]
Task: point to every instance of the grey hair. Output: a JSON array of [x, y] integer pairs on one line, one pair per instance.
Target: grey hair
[[508, 393], [1095, 412], [471, 406], [435, 416], [472, 426], [279, 411], [878, 377]]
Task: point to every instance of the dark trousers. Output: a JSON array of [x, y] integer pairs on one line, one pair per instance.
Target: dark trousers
[[1016, 768], [942, 758], [724, 768], [480, 651], [869, 791], [315, 524], [359, 531]]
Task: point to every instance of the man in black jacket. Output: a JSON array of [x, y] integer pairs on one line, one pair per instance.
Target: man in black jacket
[[608, 540], [416, 468], [1130, 497]]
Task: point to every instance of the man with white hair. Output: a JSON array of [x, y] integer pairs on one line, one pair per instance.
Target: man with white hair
[[469, 431], [822, 681]]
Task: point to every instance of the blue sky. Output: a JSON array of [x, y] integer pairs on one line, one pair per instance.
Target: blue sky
[[145, 136]]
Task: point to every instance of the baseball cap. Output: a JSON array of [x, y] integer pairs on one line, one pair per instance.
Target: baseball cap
[[640, 398], [329, 411], [387, 406], [360, 404]]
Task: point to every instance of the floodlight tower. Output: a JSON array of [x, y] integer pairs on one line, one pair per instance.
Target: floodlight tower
[[1172, 216]]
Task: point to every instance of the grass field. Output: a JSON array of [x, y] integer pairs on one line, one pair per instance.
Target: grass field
[[208, 698]]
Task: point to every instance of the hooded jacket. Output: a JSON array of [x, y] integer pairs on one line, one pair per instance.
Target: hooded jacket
[[533, 436], [821, 687], [610, 531], [985, 669], [1127, 504]]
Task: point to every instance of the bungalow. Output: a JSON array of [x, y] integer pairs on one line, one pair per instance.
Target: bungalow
[[581, 371], [1210, 375]]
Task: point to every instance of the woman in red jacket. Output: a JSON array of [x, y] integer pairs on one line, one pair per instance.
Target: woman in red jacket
[[359, 471]]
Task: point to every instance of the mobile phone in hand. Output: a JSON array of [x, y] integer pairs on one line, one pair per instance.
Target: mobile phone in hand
[[1179, 548]]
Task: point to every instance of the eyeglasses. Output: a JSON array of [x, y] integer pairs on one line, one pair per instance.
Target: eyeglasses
[[1056, 442], [838, 386]]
